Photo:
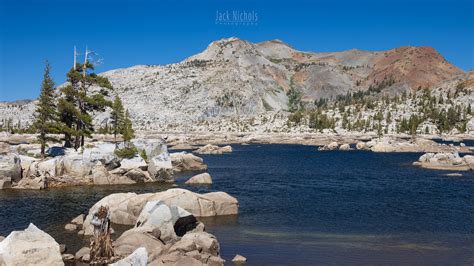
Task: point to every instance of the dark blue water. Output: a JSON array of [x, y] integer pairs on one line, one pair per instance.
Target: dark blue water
[[299, 206]]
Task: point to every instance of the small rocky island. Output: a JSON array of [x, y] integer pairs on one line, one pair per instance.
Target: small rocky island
[[446, 161]]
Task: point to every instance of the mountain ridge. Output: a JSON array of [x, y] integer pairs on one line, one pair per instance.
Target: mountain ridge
[[234, 78]]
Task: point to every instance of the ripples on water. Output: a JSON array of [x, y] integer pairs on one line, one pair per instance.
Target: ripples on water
[[299, 206]]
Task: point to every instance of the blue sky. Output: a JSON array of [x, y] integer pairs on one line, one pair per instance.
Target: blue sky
[[127, 33]]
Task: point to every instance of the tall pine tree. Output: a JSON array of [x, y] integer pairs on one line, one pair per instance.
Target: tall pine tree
[[46, 115], [128, 132], [68, 114], [117, 117]]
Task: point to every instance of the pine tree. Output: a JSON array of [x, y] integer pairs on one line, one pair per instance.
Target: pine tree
[[117, 117], [78, 102], [68, 114], [128, 133], [46, 115]]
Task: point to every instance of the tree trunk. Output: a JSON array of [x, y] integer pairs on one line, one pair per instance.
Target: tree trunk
[[101, 245], [67, 140], [77, 140], [43, 144]]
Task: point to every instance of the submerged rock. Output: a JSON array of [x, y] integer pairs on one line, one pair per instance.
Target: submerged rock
[[70, 227], [203, 178], [30, 247], [239, 260]]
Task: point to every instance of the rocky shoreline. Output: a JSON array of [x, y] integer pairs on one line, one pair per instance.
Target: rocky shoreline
[[97, 164], [369, 142]]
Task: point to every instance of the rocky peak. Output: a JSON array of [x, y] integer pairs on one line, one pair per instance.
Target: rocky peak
[[226, 49]]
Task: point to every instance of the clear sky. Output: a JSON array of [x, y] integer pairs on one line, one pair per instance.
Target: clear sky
[[127, 33]]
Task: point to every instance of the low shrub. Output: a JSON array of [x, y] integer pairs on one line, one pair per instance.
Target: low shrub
[[126, 152]]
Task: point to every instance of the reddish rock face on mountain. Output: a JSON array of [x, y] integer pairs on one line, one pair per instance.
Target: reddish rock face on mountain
[[418, 67]]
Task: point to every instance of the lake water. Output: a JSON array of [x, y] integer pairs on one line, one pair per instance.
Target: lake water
[[300, 206]]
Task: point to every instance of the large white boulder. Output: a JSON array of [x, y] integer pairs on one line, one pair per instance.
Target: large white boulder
[[10, 166], [203, 179], [156, 214], [136, 162], [25, 162], [103, 152], [119, 213], [135, 238], [101, 176], [75, 164], [204, 241], [183, 161], [138, 258], [209, 204], [160, 167], [152, 147], [45, 168], [30, 247], [126, 207]]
